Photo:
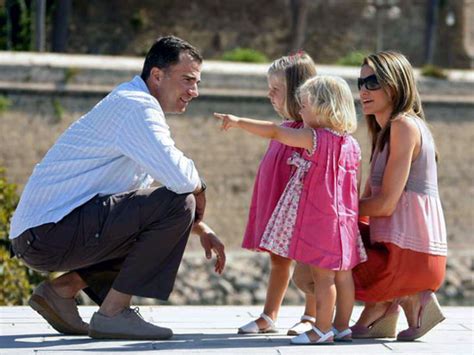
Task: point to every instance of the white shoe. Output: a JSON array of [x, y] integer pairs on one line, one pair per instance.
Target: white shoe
[[252, 327], [343, 335], [324, 338], [302, 327]]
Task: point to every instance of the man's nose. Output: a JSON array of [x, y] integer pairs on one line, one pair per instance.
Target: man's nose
[[194, 92]]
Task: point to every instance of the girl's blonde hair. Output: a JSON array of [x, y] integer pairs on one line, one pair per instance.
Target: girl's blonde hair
[[331, 99], [395, 74], [294, 70]]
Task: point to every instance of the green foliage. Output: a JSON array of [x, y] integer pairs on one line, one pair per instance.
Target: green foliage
[[244, 55], [433, 71], [16, 279], [353, 59], [3, 27], [16, 36], [139, 20], [5, 103], [70, 73], [58, 111]]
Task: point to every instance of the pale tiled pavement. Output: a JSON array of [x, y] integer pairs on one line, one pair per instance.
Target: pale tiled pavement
[[212, 330]]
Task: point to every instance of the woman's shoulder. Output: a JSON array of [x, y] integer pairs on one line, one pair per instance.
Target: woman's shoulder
[[405, 127], [405, 122]]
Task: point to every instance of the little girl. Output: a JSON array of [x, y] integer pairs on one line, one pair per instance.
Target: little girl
[[285, 75], [315, 220]]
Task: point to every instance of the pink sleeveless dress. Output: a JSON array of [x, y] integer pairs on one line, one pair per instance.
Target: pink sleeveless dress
[[316, 219], [408, 249], [272, 176]]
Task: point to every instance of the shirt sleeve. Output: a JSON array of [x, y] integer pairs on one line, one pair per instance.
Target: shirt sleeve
[[144, 137]]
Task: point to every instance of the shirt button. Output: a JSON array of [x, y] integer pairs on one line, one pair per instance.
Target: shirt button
[[339, 182], [96, 235], [341, 224], [104, 203], [28, 242]]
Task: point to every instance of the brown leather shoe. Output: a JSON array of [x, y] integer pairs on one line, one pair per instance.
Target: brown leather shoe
[[128, 324], [61, 313]]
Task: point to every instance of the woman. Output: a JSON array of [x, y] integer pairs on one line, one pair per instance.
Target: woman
[[407, 252]]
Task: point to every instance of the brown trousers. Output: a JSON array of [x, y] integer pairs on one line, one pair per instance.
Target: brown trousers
[[133, 242]]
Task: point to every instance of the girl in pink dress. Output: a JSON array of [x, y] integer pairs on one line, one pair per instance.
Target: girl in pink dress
[[285, 75], [315, 220]]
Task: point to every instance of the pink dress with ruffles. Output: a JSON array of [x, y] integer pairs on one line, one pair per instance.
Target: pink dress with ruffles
[[272, 176], [315, 220]]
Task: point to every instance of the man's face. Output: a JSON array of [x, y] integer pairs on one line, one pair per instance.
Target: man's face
[[175, 86]]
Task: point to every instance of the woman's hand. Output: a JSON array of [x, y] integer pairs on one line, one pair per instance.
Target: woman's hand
[[227, 121]]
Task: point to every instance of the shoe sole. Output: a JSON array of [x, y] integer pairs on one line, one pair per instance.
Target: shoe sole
[[100, 335], [383, 328], [259, 332], [315, 343], [432, 316], [40, 305]]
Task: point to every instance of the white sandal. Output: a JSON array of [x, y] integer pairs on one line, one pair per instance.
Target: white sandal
[[343, 335], [302, 327], [324, 338], [252, 327]]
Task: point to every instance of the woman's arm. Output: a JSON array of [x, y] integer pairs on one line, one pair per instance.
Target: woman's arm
[[404, 138], [294, 137]]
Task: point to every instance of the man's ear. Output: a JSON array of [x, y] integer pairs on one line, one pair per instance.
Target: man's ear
[[157, 74]]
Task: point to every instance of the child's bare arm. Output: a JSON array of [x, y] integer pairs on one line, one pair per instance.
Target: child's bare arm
[[294, 137]]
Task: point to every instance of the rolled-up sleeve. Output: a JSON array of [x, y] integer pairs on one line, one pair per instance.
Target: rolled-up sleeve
[[144, 137]]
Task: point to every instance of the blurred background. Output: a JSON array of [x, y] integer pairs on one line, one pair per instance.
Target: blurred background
[[58, 58]]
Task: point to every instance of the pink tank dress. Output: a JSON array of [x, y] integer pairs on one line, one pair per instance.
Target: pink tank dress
[[316, 219]]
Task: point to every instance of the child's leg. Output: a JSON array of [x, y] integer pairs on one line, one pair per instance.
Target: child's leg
[[344, 299], [310, 305], [277, 285], [303, 279], [325, 293]]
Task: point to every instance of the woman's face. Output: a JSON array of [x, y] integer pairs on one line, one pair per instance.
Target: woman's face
[[277, 92], [374, 100]]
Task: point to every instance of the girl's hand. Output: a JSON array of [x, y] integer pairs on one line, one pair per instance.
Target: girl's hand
[[227, 121]]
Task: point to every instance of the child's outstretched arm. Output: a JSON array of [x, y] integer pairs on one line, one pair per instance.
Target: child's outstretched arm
[[294, 137]]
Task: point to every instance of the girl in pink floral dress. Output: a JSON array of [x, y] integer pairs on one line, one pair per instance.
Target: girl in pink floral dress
[[285, 75], [315, 220]]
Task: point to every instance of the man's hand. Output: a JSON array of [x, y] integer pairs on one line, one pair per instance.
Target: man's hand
[[211, 244], [200, 206], [227, 121]]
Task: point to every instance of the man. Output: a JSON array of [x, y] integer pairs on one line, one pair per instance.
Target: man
[[88, 208]]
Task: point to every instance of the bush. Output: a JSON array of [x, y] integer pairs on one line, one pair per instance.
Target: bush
[[433, 71], [353, 59], [5, 103], [16, 279], [244, 55]]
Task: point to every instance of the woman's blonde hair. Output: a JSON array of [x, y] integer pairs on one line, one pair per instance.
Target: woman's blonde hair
[[294, 70], [331, 99], [395, 74]]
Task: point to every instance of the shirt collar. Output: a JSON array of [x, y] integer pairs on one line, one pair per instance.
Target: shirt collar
[[140, 84]]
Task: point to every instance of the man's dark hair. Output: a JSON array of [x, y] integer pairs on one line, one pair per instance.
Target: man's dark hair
[[165, 52]]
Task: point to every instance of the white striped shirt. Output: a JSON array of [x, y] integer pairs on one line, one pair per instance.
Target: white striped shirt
[[122, 144]]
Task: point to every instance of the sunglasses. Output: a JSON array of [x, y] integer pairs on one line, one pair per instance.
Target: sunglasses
[[371, 83]]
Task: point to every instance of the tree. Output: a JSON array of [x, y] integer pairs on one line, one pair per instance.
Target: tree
[[299, 11]]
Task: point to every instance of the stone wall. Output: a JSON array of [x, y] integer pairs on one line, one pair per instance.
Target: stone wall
[[334, 28]]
